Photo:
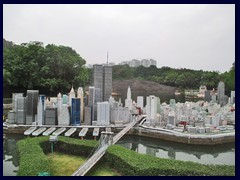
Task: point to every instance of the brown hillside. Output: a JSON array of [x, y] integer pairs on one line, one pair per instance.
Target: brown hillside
[[141, 85], [142, 88]]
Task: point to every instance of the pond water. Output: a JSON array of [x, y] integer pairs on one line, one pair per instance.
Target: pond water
[[10, 155], [217, 154]]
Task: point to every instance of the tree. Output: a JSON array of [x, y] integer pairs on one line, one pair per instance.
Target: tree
[[123, 72], [210, 79], [6, 77], [52, 68], [180, 81], [229, 79], [170, 78]]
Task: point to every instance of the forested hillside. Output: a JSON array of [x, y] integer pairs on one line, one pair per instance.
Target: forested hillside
[[181, 78]]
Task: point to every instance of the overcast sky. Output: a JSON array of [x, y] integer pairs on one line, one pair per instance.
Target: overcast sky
[[178, 36]]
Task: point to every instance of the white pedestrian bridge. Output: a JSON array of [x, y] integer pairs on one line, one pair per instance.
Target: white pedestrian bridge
[[104, 142]]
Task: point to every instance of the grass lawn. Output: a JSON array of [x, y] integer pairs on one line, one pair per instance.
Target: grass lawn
[[65, 165], [102, 169]]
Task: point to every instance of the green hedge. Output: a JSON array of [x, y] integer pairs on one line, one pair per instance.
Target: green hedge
[[135, 164], [32, 152], [33, 159], [75, 146]]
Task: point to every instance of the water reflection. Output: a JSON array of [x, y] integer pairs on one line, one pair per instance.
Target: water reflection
[[10, 155], [217, 154]]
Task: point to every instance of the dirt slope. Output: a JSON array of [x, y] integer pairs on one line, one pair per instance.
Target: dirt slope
[[142, 85]]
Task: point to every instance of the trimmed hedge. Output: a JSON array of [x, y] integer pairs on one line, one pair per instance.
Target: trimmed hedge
[[33, 159], [75, 146], [135, 164], [32, 152]]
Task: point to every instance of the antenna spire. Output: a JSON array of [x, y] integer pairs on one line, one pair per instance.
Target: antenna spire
[[107, 57]]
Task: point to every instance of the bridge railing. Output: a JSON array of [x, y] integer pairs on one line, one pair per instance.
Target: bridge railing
[[99, 150]]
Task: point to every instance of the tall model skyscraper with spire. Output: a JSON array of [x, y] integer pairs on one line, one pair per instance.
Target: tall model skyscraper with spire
[[107, 57]]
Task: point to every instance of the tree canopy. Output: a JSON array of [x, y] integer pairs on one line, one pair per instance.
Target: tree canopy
[[51, 68]]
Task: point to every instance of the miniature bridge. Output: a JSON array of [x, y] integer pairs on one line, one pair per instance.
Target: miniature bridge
[[104, 142]]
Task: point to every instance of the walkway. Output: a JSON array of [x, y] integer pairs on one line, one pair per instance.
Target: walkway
[[104, 142]]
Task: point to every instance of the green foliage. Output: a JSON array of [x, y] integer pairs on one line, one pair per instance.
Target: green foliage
[[103, 168], [53, 68], [229, 79], [72, 146], [134, 164], [63, 164], [182, 78], [32, 157], [6, 77], [122, 72], [210, 79], [33, 160]]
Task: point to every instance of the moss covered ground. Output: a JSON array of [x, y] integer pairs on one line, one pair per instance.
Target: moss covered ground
[[65, 164]]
